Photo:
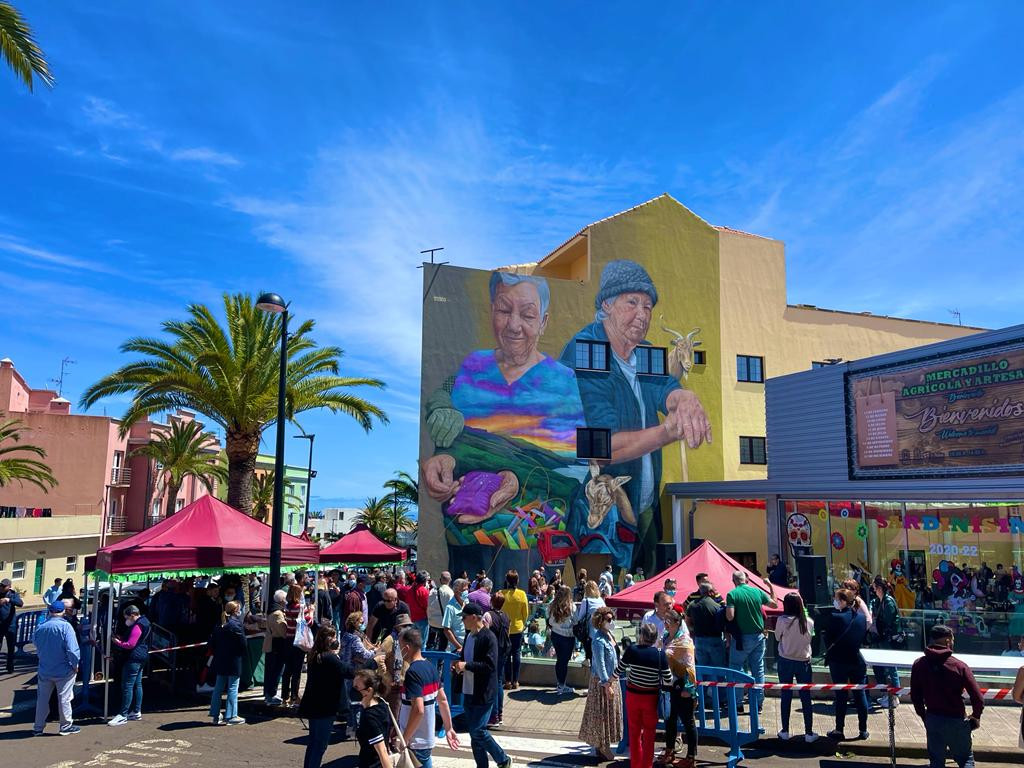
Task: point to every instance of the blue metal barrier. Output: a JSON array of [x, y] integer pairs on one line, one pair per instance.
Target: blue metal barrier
[[25, 627], [444, 661], [716, 712]]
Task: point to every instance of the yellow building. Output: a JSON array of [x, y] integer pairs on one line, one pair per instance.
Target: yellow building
[[728, 284]]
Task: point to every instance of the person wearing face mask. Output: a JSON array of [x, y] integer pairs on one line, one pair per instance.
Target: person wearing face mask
[[136, 644], [354, 652], [845, 636], [601, 727], [421, 694], [275, 646], [228, 646], [682, 661], [324, 684], [375, 724]]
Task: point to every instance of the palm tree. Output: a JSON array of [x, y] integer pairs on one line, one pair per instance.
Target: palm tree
[[263, 495], [184, 452], [19, 468], [405, 488], [20, 50], [229, 374], [379, 516]]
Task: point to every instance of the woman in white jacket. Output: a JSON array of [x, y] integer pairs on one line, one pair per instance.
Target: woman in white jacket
[[793, 630]]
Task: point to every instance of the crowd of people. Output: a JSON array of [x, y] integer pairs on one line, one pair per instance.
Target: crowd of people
[[361, 638]]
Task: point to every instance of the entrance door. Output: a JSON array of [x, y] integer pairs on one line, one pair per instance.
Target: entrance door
[[37, 585]]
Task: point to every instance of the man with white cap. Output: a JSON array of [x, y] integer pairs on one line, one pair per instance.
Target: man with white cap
[[57, 649]]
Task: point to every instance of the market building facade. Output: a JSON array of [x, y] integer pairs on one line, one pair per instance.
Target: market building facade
[[516, 360], [908, 465]]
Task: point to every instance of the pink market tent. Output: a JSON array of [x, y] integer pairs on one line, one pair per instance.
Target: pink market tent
[[360, 546], [707, 558], [207, 535]]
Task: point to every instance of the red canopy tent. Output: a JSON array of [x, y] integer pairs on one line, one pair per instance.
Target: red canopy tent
[[205, 535], [707, 558], [360, 546]]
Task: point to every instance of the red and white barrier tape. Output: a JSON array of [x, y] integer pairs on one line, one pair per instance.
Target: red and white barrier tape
[[986, 693], [196, 645]]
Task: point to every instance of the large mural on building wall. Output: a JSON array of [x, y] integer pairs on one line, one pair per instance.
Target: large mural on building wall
[[500, 425]]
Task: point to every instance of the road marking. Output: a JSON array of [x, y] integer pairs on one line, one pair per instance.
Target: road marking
[[148, 753], [553, 749]]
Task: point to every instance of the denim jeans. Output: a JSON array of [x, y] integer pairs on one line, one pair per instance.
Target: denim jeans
[[131, 688], [423, 755], [480, 739], [319, 736], [751, 655], [710, 651], [514, 658], [499, 694], [796, 671], [224, 683], [952, 733], [852, 671], [564, 646]]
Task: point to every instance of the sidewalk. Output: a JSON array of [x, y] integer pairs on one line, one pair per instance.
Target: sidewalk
[[541, 711]]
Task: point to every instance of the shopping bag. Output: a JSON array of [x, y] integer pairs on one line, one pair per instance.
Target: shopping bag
[[403, 758], [303, 636]]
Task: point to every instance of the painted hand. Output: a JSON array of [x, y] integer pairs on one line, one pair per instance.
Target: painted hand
[[438, 475], [686, 418], [444, 425]]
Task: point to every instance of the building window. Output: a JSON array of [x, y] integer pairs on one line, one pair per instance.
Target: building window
[[593, 443], [71, 564], [700, 357], [651, 361], [592, 355], [18, 571], [749, 368], [752, 450], [156, 508], [179, 504]]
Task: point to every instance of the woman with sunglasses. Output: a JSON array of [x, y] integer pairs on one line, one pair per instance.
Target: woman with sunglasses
[[601, 727], [375, 722]]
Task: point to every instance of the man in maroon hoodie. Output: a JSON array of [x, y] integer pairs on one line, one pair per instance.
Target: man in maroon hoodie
[[937, 683]]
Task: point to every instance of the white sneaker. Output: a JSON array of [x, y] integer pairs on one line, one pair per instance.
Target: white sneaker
[[117, 720], [883, 701], [274, 701], [810, 738], [784, 735]]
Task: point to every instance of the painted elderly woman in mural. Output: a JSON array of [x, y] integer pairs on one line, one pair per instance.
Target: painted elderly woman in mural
[[504, 431], [627, 402]]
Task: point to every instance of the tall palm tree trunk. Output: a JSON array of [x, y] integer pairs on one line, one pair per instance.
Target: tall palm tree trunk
[[241, 450], [172, 497]]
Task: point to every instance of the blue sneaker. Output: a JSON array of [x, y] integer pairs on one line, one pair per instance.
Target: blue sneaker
[[69, 730]]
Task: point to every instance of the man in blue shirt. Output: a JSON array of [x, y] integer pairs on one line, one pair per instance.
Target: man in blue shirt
[[57, 648], [53, 592], [9, 602]]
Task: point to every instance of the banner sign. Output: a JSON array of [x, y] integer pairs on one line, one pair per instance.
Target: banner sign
[[960, 415]]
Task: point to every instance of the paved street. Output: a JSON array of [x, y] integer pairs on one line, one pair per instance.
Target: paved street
[[540, 731]]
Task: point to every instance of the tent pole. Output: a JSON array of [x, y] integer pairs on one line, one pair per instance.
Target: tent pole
[[316, 599], [106, 657]]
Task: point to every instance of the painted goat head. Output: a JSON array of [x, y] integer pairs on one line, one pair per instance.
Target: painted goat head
[[604, 492], [680, 357]]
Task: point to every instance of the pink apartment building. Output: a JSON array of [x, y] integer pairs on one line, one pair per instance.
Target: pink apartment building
[[45, 536]]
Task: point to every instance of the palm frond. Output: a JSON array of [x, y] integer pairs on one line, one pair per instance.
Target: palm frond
[[20, 50]]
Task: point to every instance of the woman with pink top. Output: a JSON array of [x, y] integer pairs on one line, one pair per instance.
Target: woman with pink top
[[136, 648], [793, 631]]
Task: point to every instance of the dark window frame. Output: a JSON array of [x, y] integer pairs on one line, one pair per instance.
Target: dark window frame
[[590, 344], [749, 442], [585, 438], [649, 351], [700, 357], [746, 366]]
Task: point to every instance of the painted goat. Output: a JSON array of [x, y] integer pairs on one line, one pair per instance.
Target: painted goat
[[680, 358]]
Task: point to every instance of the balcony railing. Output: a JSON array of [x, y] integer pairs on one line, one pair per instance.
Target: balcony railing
[[121, 476], [117, 524], [152, 520]]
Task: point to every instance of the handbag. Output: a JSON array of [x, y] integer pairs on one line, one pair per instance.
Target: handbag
[[581, 629], [403, 758]]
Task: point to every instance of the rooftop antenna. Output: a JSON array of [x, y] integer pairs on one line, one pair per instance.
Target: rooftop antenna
[[60, 381], [956, 313], [433, 263]]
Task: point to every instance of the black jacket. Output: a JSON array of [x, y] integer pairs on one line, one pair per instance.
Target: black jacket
[[228, 645], [845, 636], [140, 653], [323, 687], [7, 610], [483, 665]]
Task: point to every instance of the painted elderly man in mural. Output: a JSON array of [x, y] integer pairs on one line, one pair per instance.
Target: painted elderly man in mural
[[627, 403], [504, 431]]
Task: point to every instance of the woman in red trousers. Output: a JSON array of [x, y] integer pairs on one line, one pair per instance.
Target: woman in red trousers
[[646, 672]]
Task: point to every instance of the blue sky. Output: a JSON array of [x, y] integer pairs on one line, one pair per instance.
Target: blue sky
[[192, 148]]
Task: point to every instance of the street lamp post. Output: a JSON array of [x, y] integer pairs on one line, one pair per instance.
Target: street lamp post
[[271, 302], [394, 507], [310, 476]]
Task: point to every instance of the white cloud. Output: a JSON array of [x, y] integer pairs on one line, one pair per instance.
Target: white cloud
[[203, 155]]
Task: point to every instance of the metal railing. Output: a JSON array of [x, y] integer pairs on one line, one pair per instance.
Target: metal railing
[[121, 476], [117, 524]]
